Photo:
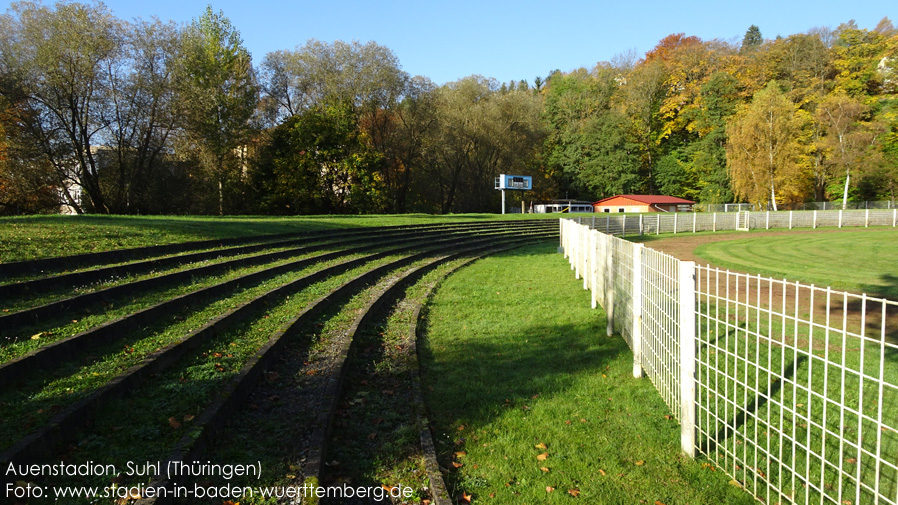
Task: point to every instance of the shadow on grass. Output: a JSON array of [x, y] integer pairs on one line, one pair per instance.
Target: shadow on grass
[[484, 378]]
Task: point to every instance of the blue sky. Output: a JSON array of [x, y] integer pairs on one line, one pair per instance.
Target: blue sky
[[507, 40]]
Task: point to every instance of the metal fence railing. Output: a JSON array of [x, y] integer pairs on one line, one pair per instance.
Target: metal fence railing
[[735, 207], [791, 389], [691, 222]]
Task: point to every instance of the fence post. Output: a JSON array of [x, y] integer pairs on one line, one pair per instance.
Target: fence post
[[561, 236], [675, 223], [894, 217], [575, 251], [594, 250], [608, 224], [637, 310], [623, 226], [694, 217], [815, 220], [587, 257], [867, 218], [609, 284], [658, 229], [714, 223], [687, 356], [767, 223], [840, 218], [641, 224], [593, 221], [790, 219]]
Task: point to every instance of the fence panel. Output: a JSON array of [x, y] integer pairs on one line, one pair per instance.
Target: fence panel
[[798, 389], [660, 318], [795, 386], [623, 287]]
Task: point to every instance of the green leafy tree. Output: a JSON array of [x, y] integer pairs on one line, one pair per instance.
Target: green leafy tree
[[317, 162], [571, 100], [217, 94], [752, 40]]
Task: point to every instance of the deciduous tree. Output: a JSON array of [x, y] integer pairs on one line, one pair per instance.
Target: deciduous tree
[[765, 149], [55, 61], [217, 94]]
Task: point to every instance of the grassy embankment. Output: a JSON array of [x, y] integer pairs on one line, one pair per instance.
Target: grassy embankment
[[33, 237]]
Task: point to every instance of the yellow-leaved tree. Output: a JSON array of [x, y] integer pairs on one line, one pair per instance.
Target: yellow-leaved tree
[[766, 150]]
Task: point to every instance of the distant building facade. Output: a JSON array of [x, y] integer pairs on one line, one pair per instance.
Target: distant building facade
[[643, 203], [562, 206]]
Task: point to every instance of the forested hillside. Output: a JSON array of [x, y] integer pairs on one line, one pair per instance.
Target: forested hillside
[[104, 115]]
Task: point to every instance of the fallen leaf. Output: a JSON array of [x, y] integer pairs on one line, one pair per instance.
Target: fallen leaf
[[540, 446], [460, 454], [465, 497], [36, 336], [549, 489], [462, 427], [602, 472], [456, 464], [567, 422], [574, 492], [188, 418], [658, 502], [173, 422], [543, 456], [544, 469], [735, 483], [851, 460], [640, 463]]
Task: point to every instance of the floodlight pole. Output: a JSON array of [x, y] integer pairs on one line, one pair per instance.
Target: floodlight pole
[[503, 201]]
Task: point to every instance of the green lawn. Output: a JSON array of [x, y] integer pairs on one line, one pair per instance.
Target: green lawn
[[858, 261], [534, 404]]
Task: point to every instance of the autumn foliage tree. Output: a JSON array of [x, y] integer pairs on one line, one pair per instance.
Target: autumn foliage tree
[[766, 150]]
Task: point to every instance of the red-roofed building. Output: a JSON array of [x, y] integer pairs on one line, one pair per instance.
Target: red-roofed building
[[643, 203]]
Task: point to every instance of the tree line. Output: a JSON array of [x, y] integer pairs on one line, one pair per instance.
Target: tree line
[[147, 117]]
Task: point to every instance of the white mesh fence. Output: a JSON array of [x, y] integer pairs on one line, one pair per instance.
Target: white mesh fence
[[791, 389], [691, 222]]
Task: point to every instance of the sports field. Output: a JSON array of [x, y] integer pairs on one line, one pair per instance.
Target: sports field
[[856, 260]]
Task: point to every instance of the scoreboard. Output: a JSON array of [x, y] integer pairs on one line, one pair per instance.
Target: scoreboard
[[519, 182]]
